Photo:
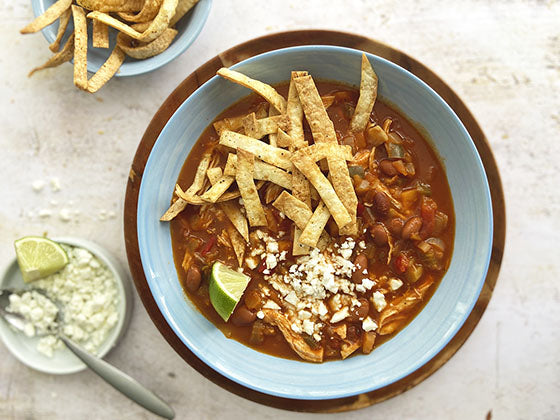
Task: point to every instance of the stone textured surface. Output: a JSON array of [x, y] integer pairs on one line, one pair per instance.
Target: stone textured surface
[[501, 57]]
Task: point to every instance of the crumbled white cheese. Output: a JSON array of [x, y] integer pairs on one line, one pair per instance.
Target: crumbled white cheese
[[340, 315], [296, 328], [378, 301], [270, 304], [252, 263], [362, 244], [308, 327], [39, 312], [44, 213], [395, 284], [369, 324], [367, 283], [55, 184], [38, 185], [260, 314], [304, 314], [360, 288]]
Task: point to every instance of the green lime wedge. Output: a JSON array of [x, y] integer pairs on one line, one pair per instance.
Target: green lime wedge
[[226, 288], [39, 257]]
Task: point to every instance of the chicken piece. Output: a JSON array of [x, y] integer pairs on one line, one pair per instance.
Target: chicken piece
[[348, 348], [296, 341]]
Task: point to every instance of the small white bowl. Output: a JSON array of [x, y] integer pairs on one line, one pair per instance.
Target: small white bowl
[[63, 361]]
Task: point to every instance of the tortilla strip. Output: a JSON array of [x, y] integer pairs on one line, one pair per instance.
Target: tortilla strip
[[112, 5], [296, 210], [183, 7], [218, 189], [312, 232], [368, 94], [320, 151], [148, 12], [107, 70], [262, 171], [297, 247], [214, 174], [231, 124], [50, 15], [100, 35], [237, 219], [257, 129], [237, 242], [80, 47], [273, 137], [327, 101], [342, 183], [198, 182], [324, 188], [294, 111], [262, 89], [157, 46], [282, 139], [197, 201], [272, 192], [265, 152], [60, 57], [62, 25], [296, 341], [244, 178]]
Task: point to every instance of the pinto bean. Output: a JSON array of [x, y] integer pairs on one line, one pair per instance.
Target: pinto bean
[[363, 310], [381, 204], [361, 263], [395, 226], [412, 226], [379, 235], [243, 316], [193, 279], [387, 168]]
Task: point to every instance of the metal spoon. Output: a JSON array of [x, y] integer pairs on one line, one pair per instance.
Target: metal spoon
[[110, 374]]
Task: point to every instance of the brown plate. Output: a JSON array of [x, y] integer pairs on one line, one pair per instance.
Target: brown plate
[[274, 42]]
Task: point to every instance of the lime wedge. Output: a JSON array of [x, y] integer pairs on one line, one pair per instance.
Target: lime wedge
[[39, 257], [226, 288]]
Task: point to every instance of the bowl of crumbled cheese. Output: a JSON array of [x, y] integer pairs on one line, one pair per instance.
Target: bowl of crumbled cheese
[[94, 293]]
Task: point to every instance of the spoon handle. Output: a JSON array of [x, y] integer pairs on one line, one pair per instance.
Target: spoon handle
[[122, 382]]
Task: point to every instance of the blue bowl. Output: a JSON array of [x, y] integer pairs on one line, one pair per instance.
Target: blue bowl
[[188, 29], [415, 345]]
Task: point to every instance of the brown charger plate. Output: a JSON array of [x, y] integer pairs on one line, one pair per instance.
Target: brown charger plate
[[274, 42]]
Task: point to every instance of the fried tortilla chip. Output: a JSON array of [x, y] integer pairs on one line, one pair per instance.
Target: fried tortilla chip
[[50, 15], [262, 171], [244, 178], [100, 35], [296, 210], [282, 139], [297, 247], [273, 137], [218, 189], [157, 46], [112, 5], [327, 101], [148, 12], [320, 151], [265, 152], [62, 25], [214, 174], [114, 23], [80, 47], [198, 182], [197, 201], [262, 89], [237, 219], [106, 71], [230, 124], [272, 192], [183, 7], [368, 94], [312, 232], [294, 111], [324, 188], [60, 57], [257, 129]]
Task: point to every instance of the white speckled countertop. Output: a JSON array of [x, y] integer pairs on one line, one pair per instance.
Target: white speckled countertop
[[501, 57]]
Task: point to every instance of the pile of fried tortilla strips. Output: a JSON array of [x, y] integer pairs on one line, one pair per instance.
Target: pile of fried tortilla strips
[[307, 183], [146, 28]]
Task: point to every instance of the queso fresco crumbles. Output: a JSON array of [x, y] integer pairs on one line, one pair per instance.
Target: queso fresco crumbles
[[322, 213]]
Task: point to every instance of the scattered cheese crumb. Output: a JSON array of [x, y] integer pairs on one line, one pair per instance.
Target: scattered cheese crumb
[[340, 315], [378, 301], [270, 304], [369, 324], [260, 314], [395, 284], [38, 185]]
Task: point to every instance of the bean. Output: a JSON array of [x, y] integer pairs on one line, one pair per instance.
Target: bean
[[395, 226], [412, 226], [379, 235], [243, 316], [361, 263], [192, 281], [363, 310], [387, 168], [381, 204]]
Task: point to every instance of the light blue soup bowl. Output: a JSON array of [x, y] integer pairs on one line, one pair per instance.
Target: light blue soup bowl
[[425, 336], [188, 29]]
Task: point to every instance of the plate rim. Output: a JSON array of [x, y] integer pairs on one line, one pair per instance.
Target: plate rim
[[277, 41]]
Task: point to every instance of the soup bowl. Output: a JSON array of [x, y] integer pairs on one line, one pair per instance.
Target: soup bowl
[[420, 340]]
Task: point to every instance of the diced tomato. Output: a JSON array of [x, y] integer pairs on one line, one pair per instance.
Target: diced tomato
[[401, 263], [360, 209], [428, 213], [208, 246], [262, 266]]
